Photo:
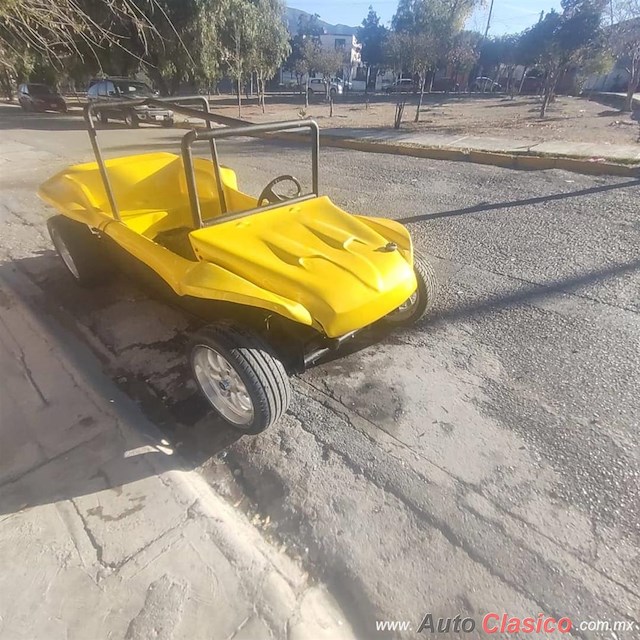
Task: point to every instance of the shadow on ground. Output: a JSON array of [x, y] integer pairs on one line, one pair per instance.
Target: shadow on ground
[[487, 206]]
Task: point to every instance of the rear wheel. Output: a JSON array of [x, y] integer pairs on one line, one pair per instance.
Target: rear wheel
[[131, 120], [104, 118], [244, 382], [81, 251], [421, 302], [167, 123]]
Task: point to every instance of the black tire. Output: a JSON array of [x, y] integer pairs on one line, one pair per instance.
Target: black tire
[[104, 118], [333, 92], [81, 251], [168, 123], [419, 305], [264, 377], [131, 120]]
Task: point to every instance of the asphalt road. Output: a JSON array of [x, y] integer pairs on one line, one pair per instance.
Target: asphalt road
[[486, 460]]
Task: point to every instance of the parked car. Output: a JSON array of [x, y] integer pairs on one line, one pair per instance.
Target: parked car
[[122, 89], [318, 85], [485, 85], [40, 97], [347, 85], [404, 85]]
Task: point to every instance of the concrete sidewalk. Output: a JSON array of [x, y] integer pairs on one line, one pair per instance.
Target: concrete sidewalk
[[588, 151], [103, 533]]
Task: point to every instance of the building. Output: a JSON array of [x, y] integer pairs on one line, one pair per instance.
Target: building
[[340, 42], [335, 37]]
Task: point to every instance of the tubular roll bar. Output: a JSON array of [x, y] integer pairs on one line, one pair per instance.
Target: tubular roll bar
[[91, 108], [195, 136], [248, 130]]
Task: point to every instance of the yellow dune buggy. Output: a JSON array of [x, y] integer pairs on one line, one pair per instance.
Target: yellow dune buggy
[[289, 278]]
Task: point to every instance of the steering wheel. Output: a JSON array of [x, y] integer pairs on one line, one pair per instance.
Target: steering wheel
[[270, 196]]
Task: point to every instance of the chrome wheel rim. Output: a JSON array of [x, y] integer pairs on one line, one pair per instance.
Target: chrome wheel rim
[[405, 310], [64, 253], [223, 387]]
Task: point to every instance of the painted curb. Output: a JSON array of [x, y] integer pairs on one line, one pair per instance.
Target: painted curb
[[524, 162]]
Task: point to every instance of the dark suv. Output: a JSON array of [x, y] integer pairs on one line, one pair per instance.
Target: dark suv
[[40, 97], [120, 89]]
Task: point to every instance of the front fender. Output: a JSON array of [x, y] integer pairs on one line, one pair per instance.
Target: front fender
[[394, 232], [203, 279]]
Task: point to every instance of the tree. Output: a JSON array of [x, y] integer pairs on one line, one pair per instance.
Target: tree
[[57, 28], [309, 53], [240, 28], [566, 41], [424, 34], [271, 45], [624, 41], [189, 45], [327, 62], [498, 52], [464, 52], [372, 36], [527, 53], [309, 29]]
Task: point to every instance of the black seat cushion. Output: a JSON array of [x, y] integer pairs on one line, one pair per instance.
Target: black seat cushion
[[177, 240]]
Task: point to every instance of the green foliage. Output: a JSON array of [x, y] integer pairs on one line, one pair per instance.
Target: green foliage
[[308, 29], [56, 29], [564, 41], [174, 41], [187, 46], [372, 36], [425, 32], [464, 51]]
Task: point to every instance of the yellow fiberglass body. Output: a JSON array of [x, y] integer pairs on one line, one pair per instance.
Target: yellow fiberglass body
[[308, 261]]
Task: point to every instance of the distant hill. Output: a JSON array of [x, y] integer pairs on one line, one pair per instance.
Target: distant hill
[[292, 16]]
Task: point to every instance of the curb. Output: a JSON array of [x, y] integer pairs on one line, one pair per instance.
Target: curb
[[518, 161]]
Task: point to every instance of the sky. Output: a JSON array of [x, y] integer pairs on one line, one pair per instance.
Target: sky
[[509, 16]]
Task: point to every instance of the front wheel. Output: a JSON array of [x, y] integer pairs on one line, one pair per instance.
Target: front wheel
[[421, 302], [240, 376]]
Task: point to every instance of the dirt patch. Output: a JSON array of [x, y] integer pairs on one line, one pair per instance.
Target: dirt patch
[[569, 119]]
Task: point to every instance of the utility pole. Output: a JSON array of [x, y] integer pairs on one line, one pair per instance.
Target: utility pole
[[486, 31]]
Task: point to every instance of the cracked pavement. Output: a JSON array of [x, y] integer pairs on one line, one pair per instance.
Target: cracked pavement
[[486, 460]]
